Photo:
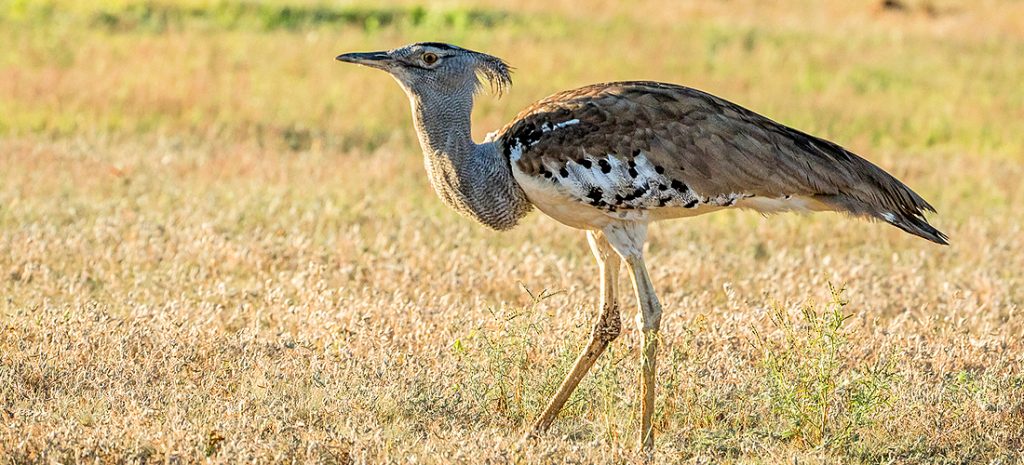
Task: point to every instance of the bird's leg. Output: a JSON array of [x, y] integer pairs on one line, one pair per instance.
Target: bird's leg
[[605, 330], [628, 240], [649, 320]]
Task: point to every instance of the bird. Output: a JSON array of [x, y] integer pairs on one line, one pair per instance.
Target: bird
[[610, 159]]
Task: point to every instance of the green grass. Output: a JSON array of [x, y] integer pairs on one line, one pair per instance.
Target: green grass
[[822, 396], [157, 17]]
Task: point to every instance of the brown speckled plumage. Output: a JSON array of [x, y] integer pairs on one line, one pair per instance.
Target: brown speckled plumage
[[714, 147]]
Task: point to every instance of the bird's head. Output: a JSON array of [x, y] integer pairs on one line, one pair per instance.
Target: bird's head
[[436, 69]]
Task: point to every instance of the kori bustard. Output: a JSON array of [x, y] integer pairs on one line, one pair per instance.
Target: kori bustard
[[612, 158]]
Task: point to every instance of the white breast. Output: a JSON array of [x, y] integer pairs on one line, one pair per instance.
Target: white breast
[[554, 202]]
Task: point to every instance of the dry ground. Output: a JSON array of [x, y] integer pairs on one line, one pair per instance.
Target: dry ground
[[218, 245]]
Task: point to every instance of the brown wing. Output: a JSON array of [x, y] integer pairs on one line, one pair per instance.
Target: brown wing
[[713, 147]]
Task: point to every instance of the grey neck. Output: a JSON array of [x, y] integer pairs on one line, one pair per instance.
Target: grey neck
[[473, 179]]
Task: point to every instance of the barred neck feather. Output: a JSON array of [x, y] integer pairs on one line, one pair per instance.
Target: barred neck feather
[[472, 179]]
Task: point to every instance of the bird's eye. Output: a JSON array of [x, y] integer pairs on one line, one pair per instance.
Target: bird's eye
[[429, 58]]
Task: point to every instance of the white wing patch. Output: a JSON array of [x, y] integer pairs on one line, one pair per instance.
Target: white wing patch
[[515, 153], [624, 187], [547, 126]]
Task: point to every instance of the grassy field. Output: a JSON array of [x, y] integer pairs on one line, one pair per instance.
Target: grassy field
[[218, 245]]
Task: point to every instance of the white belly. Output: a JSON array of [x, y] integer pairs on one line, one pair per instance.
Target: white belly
[[563, 208]]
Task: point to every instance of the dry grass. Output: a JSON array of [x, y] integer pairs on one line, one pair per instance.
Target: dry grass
[[218, 245]]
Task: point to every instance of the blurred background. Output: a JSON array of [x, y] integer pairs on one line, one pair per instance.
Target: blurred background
[[939, 75], [216, 241]]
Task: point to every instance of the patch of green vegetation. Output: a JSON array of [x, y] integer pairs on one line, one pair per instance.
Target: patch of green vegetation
[[157, 17], [822, 396], [500, 375]]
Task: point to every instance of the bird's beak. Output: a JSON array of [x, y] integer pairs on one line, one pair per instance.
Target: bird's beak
[[379, 60]]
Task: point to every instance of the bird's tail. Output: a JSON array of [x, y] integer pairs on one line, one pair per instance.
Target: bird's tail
[[915, 224], [879, 195], [906, 216]]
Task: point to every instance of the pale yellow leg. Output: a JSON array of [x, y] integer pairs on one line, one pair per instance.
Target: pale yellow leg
[[628, 239], [605, 330], [649, 322]]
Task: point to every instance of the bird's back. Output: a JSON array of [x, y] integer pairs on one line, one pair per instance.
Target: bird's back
[[652, 150]]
